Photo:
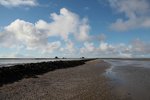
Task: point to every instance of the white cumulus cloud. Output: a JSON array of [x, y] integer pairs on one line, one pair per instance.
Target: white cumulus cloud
[[15, 3], [136, 14], [65, 24], [21, 34]]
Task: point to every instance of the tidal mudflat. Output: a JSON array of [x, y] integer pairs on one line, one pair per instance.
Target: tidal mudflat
[[130, 78]]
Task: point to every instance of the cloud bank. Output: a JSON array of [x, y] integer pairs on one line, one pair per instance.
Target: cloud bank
[[136, 48]]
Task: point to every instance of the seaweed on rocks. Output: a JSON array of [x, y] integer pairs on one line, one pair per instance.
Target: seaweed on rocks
[[17, 72]]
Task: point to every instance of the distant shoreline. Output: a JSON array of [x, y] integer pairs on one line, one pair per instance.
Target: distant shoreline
[[49, 58], [7, 62], [147, 59]]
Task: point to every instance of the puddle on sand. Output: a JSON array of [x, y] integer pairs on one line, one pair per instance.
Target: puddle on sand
[[113, 76]]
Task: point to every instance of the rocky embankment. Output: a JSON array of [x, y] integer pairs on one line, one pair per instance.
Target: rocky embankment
[[18, 72]]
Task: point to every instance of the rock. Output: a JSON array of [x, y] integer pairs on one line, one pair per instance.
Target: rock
[[18, 72]]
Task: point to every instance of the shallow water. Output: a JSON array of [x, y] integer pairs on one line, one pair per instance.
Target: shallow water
[[131, 78], [136, 63]]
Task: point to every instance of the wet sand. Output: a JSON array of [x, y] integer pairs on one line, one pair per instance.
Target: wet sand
[[85, 82], [131, 79]]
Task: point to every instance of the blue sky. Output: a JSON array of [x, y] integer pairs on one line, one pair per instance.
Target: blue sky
[[75, 28]]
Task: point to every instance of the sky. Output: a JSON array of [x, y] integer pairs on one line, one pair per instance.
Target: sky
[[75, 28]]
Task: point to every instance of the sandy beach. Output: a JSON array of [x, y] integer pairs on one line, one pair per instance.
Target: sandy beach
[[85, 82]]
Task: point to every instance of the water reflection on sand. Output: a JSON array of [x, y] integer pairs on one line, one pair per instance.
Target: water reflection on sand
[[131, 78]]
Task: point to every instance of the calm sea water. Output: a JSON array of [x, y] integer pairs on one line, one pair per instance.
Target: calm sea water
[[9, 62], [133, 63]]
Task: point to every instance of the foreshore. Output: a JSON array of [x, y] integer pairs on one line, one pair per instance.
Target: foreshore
[[130, 78], [83, 82], [20, 71]]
